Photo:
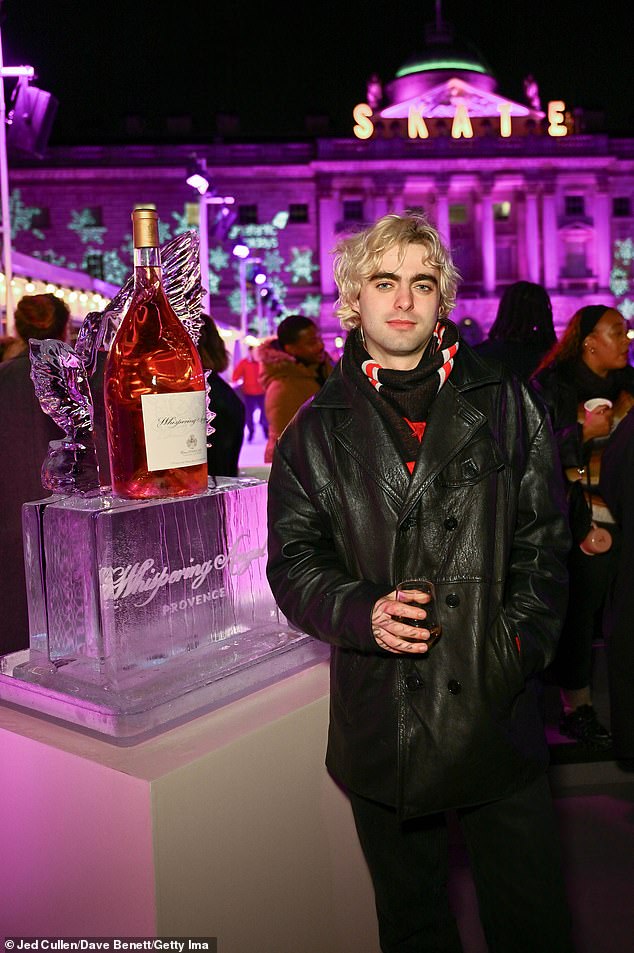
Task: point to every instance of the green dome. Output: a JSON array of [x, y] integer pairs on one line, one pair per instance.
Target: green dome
[[443, 53]]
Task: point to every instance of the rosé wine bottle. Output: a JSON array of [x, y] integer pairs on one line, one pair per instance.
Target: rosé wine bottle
[[154, 387]]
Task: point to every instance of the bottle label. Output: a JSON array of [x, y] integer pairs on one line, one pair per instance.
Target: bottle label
[[175, 427]]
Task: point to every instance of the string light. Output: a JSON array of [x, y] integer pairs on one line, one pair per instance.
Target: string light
[[80, 302]]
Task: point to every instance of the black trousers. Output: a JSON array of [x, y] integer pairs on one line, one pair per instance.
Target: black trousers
[[253, 402], [513, 847], [590, 581]]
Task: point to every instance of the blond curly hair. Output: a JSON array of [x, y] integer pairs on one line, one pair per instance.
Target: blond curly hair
[[358, 256]]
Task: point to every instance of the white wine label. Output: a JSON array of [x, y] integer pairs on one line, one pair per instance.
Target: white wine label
[[175, 428]]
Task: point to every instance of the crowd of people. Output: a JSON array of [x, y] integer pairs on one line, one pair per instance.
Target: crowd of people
[[500, 468]]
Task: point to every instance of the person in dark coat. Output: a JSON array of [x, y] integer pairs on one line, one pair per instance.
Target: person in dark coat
[[25, 433], [617, 488], [589, 361], [523, 330], [226, 443], [418, 459]]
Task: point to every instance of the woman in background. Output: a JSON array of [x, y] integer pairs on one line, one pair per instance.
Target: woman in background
[[523, 330], [590, 361], [226, 442]]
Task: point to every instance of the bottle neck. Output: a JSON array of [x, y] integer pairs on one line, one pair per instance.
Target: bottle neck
[[147, 257]]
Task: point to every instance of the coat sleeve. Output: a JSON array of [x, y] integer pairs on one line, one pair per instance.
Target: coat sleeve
[[307, 578], [537, 583], [617, 461], [275, 408], [563, 415]]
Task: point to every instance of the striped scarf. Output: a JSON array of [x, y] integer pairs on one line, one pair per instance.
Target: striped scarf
[[404, 397]]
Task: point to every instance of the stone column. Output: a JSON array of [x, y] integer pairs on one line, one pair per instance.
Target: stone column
[[550, 239], [531, 234], [329, 209], [380, 202], [394, 184], [442, 210], [487, 236], [603, 237]]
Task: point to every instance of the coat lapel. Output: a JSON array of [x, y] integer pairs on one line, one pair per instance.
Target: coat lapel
[[376, 452], [451, 423]]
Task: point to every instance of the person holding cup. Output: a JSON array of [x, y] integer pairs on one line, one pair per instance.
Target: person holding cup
[[588, 385], [417, 524]]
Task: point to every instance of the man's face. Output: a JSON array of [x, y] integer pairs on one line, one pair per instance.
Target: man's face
[[398, 306], [308, 348]]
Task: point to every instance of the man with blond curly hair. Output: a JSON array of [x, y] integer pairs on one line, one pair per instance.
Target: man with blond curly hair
[[420, 460]]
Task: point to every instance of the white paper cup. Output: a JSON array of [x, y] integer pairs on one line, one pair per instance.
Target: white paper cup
[[596, 403]]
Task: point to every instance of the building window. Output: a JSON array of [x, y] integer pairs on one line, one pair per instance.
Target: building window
[[41, 218], [458, 214], [501, 211], [96, 215], [298, 214], [353, 210], [505, 263], [621, 206], [247, 214], [576, 263], [575, 205], [93, 263], [192, 214]]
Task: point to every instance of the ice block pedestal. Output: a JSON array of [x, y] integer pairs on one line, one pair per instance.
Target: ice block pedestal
[[144, 612]]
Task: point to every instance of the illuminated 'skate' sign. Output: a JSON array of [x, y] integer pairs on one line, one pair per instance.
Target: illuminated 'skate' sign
[[461, 125]]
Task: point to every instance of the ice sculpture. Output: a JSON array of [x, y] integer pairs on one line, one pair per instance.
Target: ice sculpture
[[61, 374]]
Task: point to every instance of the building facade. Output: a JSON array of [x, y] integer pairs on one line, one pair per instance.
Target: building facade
[[519, 191]]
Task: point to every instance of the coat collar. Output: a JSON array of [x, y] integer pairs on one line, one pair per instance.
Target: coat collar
[[451, 423], [470, 370]]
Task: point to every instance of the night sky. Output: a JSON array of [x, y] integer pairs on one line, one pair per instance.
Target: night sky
[[273, 63]]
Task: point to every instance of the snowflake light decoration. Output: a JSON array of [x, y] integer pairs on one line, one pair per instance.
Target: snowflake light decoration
[[234, 300], [619, 283], [114, 270], [626, 307], [53, 258], [624, 250], [183, 224], [218, 257], [83, 223], [311, 306], [301, 266], [22, 216], [214, 283], [278, 287], [273, 261], [165, 232]]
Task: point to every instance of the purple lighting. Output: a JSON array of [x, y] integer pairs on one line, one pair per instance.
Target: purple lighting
[[241, 251]]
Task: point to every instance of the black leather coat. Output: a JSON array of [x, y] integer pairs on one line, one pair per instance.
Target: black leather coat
[[483, 516]]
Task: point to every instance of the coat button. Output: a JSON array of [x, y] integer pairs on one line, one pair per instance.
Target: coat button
[[453, 600], [413, 683], [454, 686], [408, 524], [451, 522]]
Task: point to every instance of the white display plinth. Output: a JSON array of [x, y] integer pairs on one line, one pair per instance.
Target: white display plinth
[[226, 826]]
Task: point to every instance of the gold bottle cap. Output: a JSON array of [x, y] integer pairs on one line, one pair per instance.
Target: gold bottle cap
[[145, 228]]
